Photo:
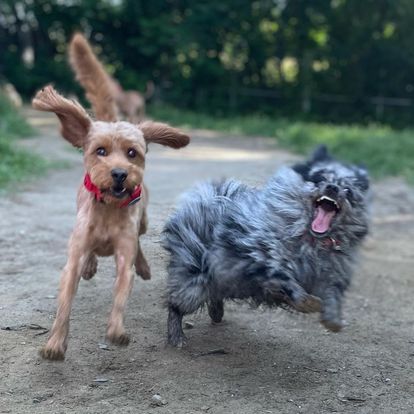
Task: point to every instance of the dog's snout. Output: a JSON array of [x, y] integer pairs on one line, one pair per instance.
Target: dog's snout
[[332, 188], [119, 175]]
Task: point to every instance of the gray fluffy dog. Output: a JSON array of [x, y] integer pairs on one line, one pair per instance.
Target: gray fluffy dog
[[291, 243]]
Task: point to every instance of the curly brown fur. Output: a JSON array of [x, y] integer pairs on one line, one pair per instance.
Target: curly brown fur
[[114, 158], [92, 76], [130, 103], [104, 92]]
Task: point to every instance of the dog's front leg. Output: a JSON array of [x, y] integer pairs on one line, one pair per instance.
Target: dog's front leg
[[56, 345], [287, 289], [331, 315], [125, 254]]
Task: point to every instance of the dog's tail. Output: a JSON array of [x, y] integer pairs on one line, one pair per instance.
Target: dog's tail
[[189, 235], [92, 76]]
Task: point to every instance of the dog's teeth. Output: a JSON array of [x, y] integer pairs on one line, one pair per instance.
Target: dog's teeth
[[324, 197], [328, 198]]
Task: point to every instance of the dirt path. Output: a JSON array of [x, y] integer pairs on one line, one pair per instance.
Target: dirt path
[[273, 362]]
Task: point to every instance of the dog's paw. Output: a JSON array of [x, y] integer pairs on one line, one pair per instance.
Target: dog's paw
[[121, 339], [309, 304], [176, 337], [333, 325], [177, 342], [52, 354], [216, 311]]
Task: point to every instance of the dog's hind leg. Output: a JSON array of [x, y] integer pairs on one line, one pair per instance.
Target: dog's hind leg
[[183, 300], [141, 265], [176, 335], [216, 310], [90, 267]]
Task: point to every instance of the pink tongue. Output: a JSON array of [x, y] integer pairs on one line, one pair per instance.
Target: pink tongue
[[322, 221]]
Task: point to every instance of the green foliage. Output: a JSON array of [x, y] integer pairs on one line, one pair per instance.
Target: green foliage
[[327, 59], [15, 164], [383, 150], [11, 122]]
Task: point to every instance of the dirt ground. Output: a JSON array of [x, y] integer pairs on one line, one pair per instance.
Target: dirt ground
[[255, 362]]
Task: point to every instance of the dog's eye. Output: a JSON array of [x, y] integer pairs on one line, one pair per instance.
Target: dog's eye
[[101, 151], [132, 153], [348, 192]]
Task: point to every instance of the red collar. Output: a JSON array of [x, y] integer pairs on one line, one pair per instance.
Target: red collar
[[92, 188], [327, 242]]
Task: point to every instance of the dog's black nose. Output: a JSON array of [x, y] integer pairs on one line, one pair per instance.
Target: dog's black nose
[[119, 175], [332, 188]]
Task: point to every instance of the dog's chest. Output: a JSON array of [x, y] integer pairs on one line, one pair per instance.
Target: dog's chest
[[318, 267], [107, 232]]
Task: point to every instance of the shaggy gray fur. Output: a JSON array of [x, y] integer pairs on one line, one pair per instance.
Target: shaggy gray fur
[[231, 241]]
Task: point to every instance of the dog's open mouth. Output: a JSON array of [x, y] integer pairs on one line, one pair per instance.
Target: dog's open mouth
[[325, 210], [119, 192]]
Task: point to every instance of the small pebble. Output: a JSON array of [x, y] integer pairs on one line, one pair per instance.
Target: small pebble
[[39, 398], [157, 400], [332, 370], [101, 380], [103, 346]]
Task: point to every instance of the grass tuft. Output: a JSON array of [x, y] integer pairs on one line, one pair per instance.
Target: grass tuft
[[16, 163]]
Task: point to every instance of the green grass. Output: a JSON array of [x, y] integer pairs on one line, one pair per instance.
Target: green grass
[[383, 150], [16, 164]]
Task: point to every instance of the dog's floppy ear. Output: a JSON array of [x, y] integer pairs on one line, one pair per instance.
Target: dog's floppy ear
[[75, 122], [163, 134]]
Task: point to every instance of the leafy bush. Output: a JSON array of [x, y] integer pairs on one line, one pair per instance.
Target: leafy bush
[[15, 163]]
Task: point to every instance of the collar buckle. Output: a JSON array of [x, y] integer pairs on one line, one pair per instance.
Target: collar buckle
[[327, 242], [335, 244]]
